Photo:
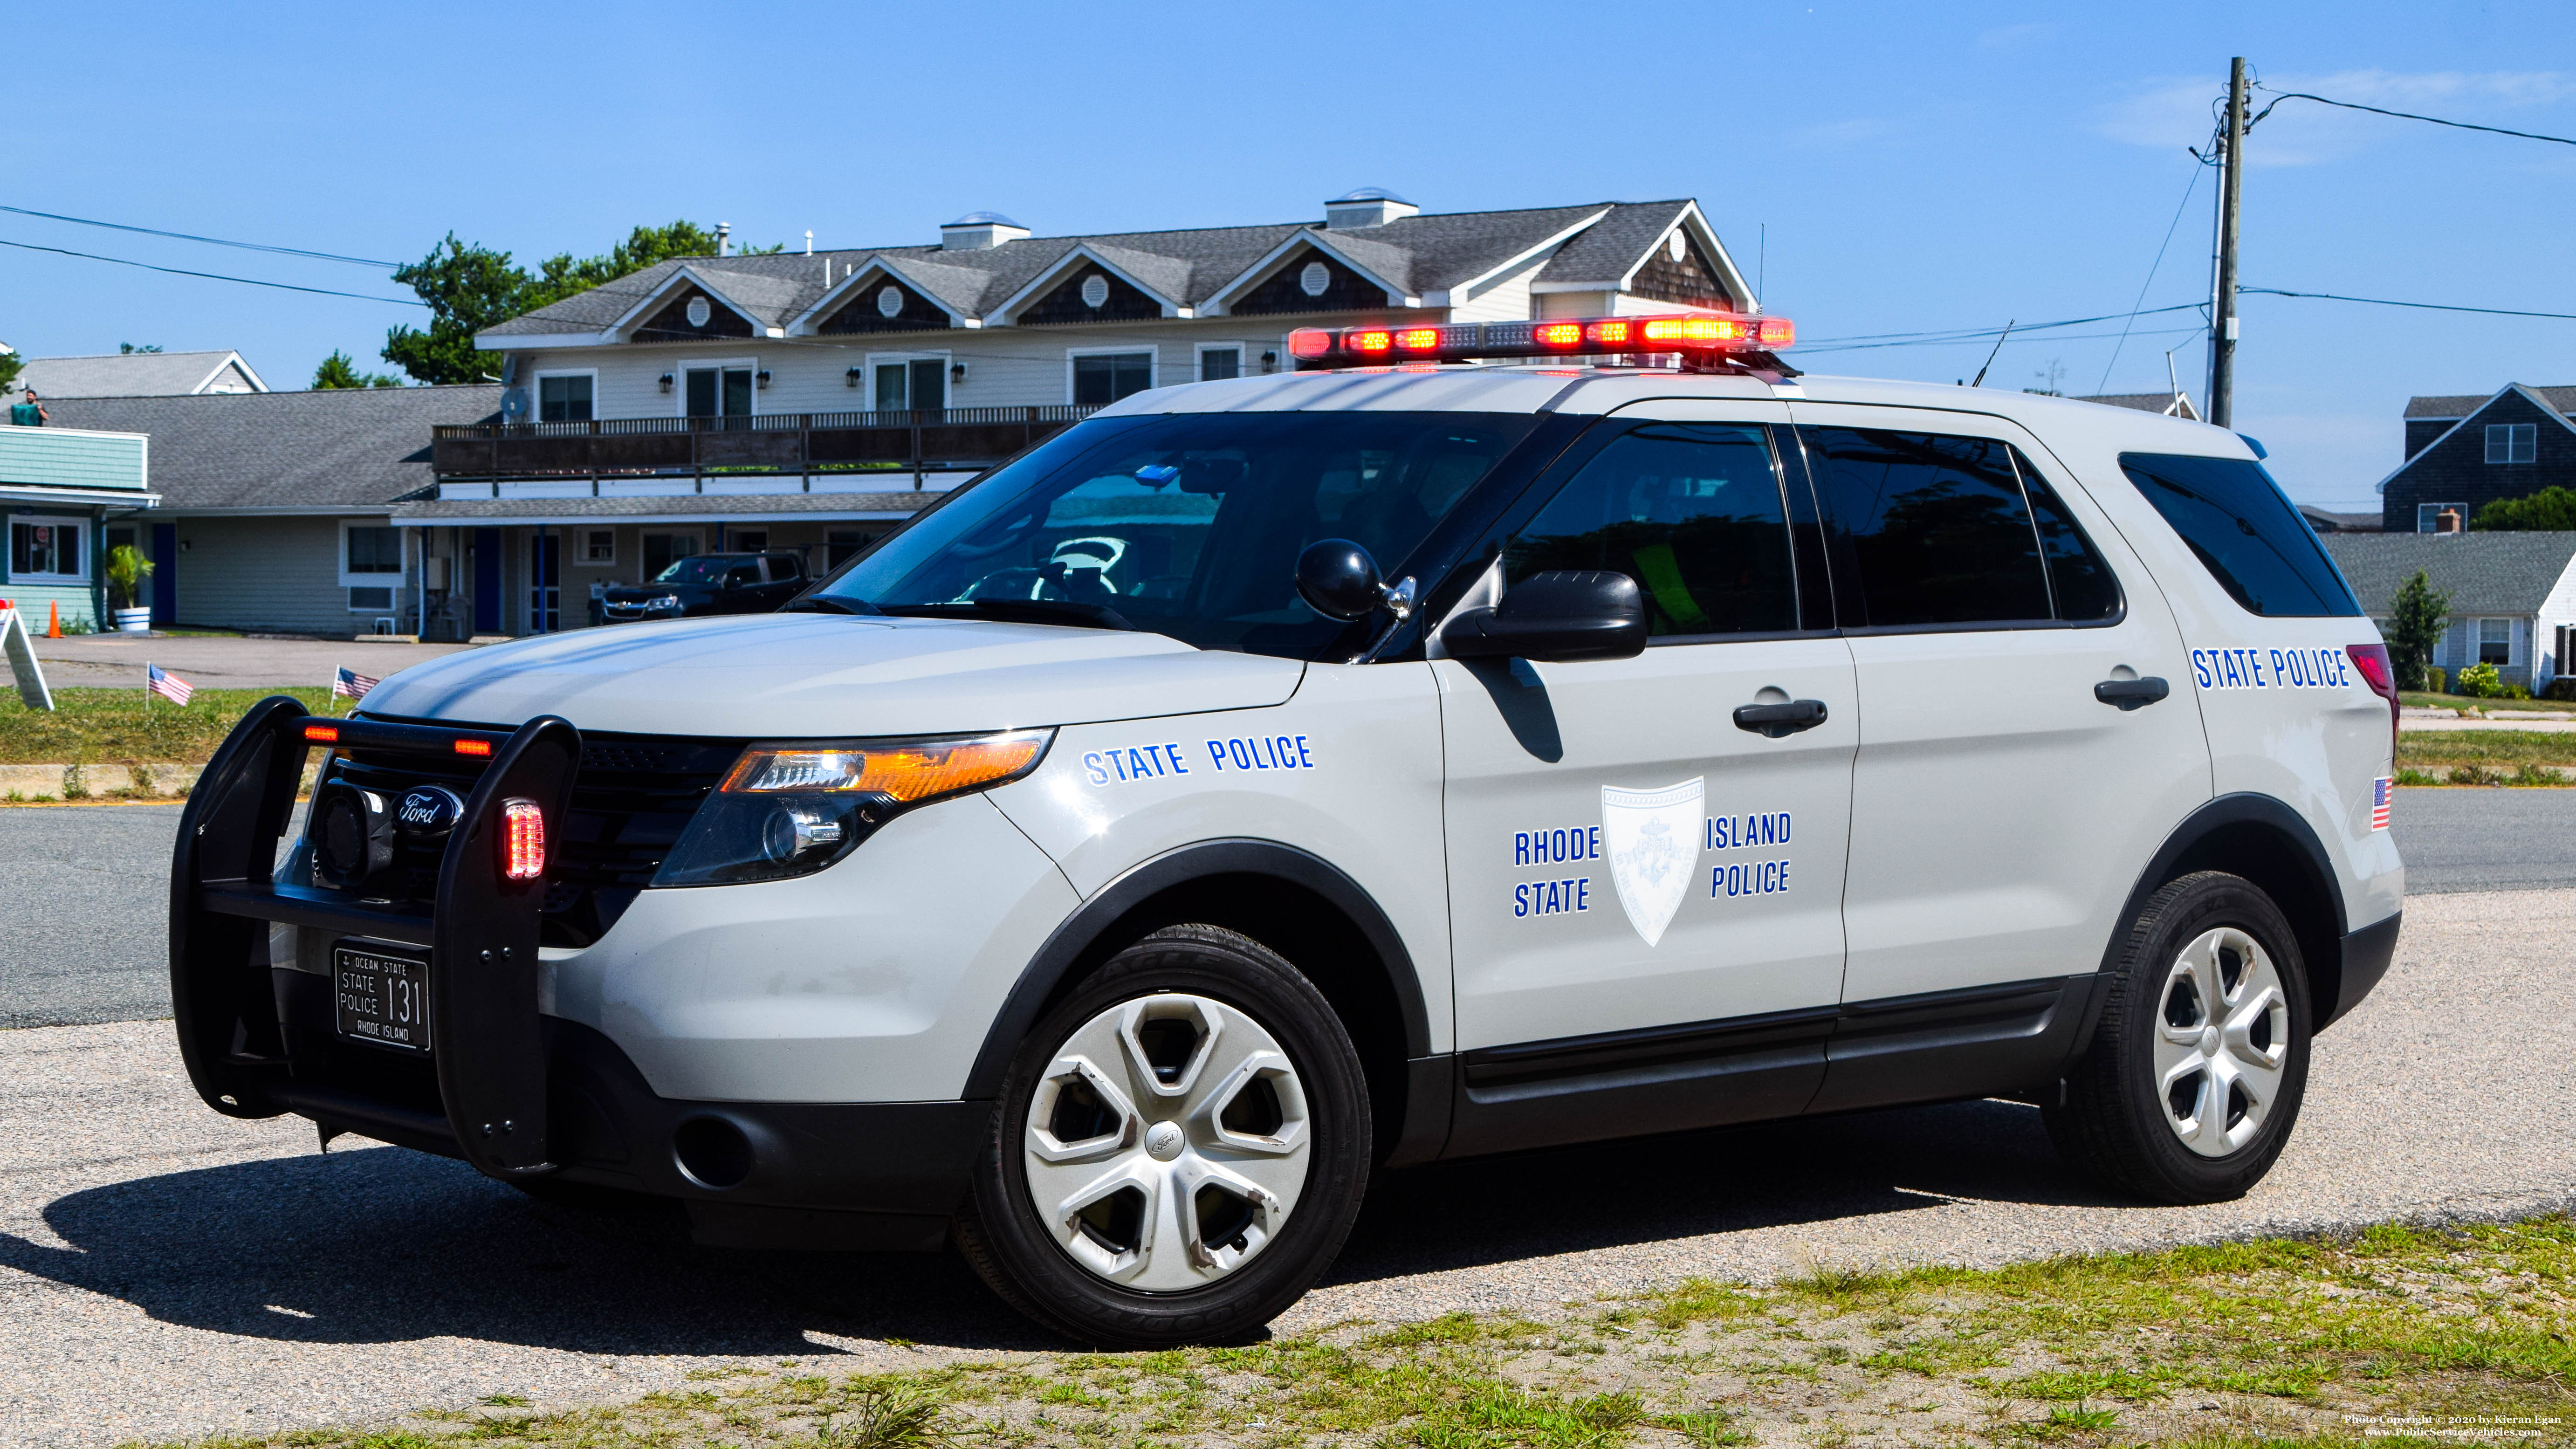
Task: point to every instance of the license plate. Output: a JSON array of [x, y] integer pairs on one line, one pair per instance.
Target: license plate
[[381, 997]]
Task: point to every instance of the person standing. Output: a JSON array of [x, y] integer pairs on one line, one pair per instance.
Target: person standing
[[27, 412]]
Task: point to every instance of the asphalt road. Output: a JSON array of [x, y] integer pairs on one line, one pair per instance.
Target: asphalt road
[[117, 660], [81, 939]]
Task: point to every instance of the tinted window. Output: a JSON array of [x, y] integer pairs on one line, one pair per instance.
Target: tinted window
[[2082, 583], [1189, 524], [1100, 381], [2249, 537], [1934, 530], [1691, 512]]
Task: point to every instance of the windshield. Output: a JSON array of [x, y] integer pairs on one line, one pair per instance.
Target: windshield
[[704, 569], [1188, 524]]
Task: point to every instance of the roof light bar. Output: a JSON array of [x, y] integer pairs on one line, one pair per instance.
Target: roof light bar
[[1705, 341]]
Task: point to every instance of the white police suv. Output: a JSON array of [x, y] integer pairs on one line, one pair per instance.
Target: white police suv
[[1270, 783]]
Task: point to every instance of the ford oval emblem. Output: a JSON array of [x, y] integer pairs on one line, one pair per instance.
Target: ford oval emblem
[[428, 810]]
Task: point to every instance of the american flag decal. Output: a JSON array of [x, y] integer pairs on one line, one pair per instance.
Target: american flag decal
[[2382, 791]]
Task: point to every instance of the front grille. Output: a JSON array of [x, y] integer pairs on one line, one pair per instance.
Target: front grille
[[633, 798]]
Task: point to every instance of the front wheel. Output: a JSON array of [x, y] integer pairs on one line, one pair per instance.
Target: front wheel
[[2195, 1074], [1179, 1149]]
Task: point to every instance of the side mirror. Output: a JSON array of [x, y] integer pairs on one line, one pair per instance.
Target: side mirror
[[1558, 617], [1339, 580]]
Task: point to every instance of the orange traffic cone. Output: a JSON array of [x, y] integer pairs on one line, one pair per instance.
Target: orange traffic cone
[[53, 621]]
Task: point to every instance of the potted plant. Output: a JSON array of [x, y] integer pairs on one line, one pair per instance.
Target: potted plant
[[127, 568]]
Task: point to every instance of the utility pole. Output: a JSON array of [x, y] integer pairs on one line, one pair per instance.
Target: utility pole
[[2231, 194]]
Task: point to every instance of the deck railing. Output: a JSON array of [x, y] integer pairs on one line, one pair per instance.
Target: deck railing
[[776, 442]]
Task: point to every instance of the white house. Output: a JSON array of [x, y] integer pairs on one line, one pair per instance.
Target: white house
[[2513, 595]]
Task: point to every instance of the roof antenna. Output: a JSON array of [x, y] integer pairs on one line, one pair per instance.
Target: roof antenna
[[1990, 357]]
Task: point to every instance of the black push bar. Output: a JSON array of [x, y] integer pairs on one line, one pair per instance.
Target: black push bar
[[480, 929]]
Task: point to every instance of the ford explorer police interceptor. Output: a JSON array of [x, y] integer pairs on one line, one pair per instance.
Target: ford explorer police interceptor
[[1443, 749]]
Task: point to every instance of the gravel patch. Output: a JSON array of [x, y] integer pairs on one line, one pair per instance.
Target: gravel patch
[[164, 1271]]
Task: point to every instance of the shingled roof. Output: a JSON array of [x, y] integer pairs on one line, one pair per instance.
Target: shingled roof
[[133, 374], [2459, 405], [317, 451], [2486, 573], [1412, 255]]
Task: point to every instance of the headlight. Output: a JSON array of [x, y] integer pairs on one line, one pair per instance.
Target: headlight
[[793, 809], [662, 604]]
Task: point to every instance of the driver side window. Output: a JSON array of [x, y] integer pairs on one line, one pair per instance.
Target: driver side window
[[1692, 512]]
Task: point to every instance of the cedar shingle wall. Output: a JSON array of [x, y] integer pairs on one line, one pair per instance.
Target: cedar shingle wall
[[2457, 471]]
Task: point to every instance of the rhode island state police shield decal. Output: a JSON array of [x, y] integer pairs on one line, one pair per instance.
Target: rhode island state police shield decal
[[1651, 838]]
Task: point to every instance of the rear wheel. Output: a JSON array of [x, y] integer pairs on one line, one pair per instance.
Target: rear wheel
[[2195, 1075], [1179, 1149]]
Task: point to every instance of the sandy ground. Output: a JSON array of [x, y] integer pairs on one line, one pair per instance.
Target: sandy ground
[[165, 1271]]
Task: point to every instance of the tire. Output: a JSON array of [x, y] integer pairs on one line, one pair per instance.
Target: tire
[[2175, 1101], [1194, 1182]]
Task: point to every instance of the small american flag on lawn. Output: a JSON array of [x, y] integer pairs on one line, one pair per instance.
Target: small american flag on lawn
[[2382, 790], [167, 685], [352, 684]]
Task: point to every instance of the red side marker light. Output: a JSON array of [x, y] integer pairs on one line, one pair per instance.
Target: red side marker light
[[1418, 339], [1310, 342], [1558, 334], [523, 839], [327, 734], [1368, 342], [479, 749]]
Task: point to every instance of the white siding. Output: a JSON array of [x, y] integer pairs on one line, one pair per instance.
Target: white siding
[[274, 575], [1504, 299], [1573, 304]]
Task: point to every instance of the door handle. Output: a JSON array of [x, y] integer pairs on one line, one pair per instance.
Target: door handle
[[2129, 694], [1775, 721]]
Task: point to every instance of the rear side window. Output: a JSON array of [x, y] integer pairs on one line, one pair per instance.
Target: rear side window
[[1933, 530], [2080, 582], [2247, 535], [1692, 512]]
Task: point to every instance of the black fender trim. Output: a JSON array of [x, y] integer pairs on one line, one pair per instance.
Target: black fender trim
[[2322, 948], [1082, 931], [2366, 957]]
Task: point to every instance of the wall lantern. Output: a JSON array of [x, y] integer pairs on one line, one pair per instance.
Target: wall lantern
[[762, 377], [851, 377], [666, 382], [956, 372]]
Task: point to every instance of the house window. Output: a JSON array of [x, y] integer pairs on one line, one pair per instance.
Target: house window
[[2495, 642], [2513, 442], [840, 544], [48, 548], [914, 384], [2428, 516], [564, 399], [719, 392], [661, 550], [599, 545], [362, 600], [1216, 364], [750, 540], [373, 550], [1100, 379]]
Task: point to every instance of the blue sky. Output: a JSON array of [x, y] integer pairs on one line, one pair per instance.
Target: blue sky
[[1914, 167]]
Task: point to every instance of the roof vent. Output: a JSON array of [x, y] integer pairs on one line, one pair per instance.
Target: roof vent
[[980, 231], [1368, 206]]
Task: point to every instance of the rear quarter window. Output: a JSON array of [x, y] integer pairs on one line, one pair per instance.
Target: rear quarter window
[[2235, 519]]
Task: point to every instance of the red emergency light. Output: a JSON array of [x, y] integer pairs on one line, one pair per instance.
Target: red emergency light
[[1703, 341]]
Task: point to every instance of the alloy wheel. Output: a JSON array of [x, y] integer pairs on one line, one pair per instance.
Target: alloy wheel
[[2222, 1041]]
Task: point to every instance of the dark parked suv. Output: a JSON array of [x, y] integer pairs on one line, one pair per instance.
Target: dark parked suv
[[709, 583]]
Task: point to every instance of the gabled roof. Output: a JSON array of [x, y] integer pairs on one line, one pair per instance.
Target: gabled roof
[[2486, 573], [324, 451], [1165, 279], [2537, 397], [743, 292], [2172, 405], [2561, 400], [1422, 256], [132, 374]]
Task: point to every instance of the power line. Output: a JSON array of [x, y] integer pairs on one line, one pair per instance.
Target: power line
[[2152, 268], [2401, 115], [209, 240], [2426, 306], [1806, 348], [1970, 334], [212, 276]]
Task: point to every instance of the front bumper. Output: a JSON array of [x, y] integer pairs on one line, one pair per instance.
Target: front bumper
[[515, 1093]]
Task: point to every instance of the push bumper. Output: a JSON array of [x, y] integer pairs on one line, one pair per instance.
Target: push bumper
[[514, 1093]]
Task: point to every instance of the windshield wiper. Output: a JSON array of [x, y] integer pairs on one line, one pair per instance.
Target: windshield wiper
[[827, 604], [1024, 611]]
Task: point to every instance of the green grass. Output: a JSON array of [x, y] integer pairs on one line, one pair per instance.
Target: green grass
[[2284, 1341], [2490, 706], [2486, 747], [116, 726]]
